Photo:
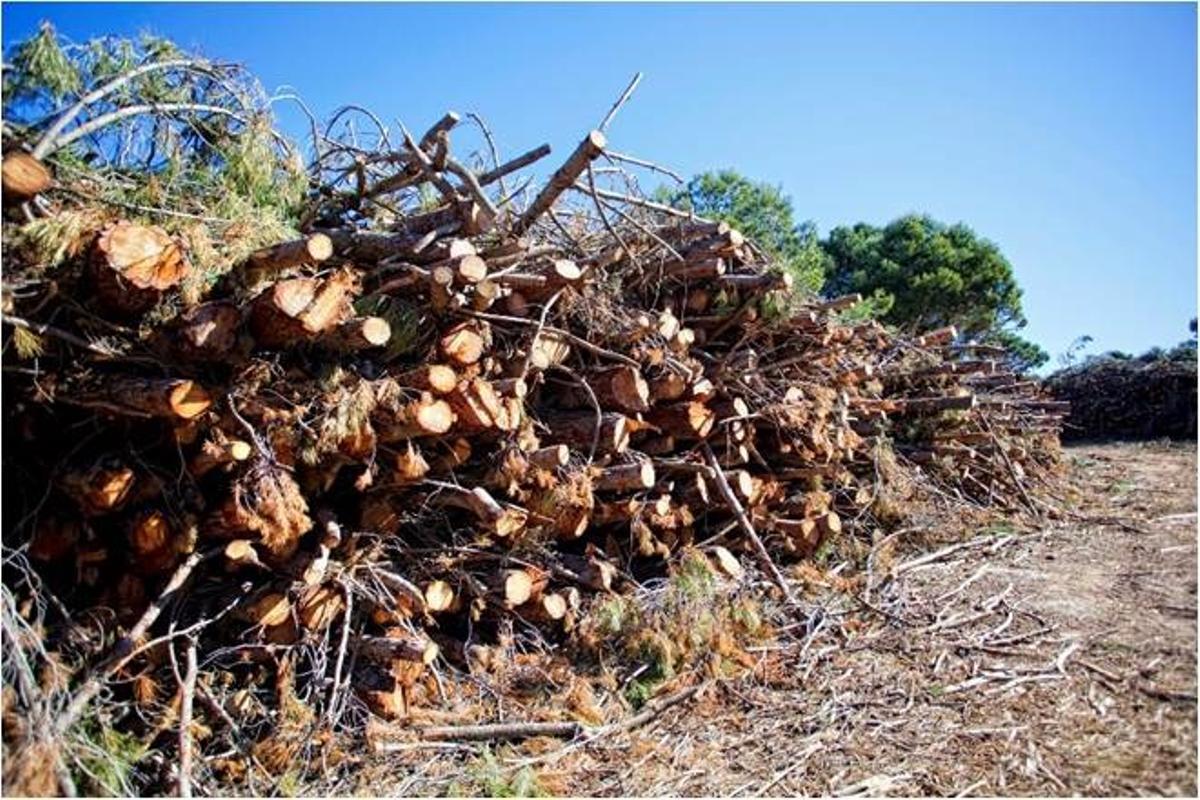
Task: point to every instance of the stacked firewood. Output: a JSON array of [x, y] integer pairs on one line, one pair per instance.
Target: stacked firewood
[[392, 436], [961, 414]]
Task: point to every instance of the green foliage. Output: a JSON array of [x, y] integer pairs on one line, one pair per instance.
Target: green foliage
[[1023, 355], [231, 182], [39, 71], [487, 777], [105, 759], [763, 213], [926, 275]]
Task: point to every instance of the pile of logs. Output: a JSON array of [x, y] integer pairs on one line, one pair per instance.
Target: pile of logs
[[1150, 397], [387, 438]]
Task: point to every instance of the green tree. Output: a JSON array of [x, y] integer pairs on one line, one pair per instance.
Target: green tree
[[919, 273], [762, 212]]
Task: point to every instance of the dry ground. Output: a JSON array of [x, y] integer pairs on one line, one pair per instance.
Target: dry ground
[[1055, 661]]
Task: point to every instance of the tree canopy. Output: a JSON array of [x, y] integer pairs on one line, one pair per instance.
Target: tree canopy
[[762, 212]]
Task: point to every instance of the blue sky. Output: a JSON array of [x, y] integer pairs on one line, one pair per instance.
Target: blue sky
[[1065, 133]]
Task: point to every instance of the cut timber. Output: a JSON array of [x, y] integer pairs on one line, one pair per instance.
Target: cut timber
[[548, 350], [579, 430], [218, 451], [153, 397], [934, 338], [405, 648], [436, 378], [24, 177], [298, 309], [924, 405], [100, 489], [501, 521], [514, 587], [465, 343], [563, 178], [319, 606], [556, 455], [476, 406], [134, 264], [398, 415], [626, 478], [440, 597], [690, 420], [357, 334], [621, 387], [309, 250], [208, 332]]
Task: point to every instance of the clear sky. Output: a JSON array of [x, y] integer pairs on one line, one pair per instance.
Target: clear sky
[[1065, 133]]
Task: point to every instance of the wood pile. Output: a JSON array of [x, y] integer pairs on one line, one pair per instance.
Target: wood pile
[[1150, 397], [388, 438]]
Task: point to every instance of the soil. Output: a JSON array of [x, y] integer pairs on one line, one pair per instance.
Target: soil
[[1054, 660]]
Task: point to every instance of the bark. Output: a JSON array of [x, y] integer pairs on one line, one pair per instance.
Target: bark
[[286, 255], [562, 179], [579, 430]]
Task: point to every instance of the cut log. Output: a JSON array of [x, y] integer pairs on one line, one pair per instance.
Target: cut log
[[556, 455], [132, 265], [441, 597], [476, 406], [398, 415], [398, 647], [298, 309], [151, 397], [217, 452], [357, 334], [24, 177], [465, 343], [626, 478], [621, 388], [100, 489], [207, 332], [271, 260], [503, 522], [684, 421], [436, 378], [579, 430]]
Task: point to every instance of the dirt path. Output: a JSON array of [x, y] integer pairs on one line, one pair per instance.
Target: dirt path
[[1063, 663], [1053, 661]]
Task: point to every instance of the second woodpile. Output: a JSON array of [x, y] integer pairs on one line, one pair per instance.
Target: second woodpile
[[392, 435]]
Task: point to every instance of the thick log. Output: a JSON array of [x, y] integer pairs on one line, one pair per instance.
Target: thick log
[[24, 177], [626, 478], [764, 282], [133, 265], [503, 522], [476, 406], [465, 343], [440, 597], [207, 332], [563, 178], [411, 466], [100, 489], [685, 421], [297, 310], [167, 398], [621, 387], [398, 415], [436, 378], [556, 455], [391, 648], [579, 430]]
